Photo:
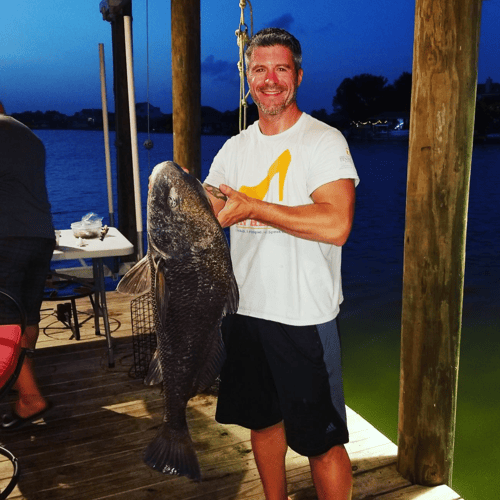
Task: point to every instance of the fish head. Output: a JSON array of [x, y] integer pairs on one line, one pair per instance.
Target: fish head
[[180, 215]]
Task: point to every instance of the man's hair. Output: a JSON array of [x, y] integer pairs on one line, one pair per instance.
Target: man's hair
[[2, 109], [268, 37]]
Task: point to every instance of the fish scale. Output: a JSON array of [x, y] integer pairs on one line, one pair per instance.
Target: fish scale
[[189, 276]]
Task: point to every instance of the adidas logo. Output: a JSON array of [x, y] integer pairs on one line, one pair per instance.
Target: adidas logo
[[330, 428]]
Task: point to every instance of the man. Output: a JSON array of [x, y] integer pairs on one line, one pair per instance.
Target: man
[[286, 186], [27, 240]]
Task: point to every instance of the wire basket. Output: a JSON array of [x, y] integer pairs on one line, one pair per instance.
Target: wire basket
[[143, 334]]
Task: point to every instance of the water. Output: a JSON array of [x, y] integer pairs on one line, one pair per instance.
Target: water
[[373, 261], [372, 275]]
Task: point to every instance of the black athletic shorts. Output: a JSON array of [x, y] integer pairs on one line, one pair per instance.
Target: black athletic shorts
[[24, 265], [276, 372]]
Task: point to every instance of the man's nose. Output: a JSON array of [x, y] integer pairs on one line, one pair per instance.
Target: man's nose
[[272, 77]]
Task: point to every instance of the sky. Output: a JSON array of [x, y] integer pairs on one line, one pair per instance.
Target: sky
[[49, 55]]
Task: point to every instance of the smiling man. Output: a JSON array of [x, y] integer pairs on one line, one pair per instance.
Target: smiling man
[[286, 187], [273, 79]]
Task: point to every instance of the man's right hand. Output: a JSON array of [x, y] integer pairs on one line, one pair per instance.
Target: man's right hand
[[216, 197]]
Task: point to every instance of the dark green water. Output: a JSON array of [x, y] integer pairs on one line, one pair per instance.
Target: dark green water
[[371, 378], [371, 313]]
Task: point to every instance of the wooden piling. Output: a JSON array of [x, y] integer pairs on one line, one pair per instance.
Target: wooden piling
[[441, 135], [124, 168], [186, 84]]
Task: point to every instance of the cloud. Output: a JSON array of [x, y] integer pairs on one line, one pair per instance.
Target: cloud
[[223, 71], [214, 67], [285, 21]]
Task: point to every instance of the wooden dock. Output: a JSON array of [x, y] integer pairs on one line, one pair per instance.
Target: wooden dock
[[90, 446]]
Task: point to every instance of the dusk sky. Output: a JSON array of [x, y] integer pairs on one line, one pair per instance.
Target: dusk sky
[[49, 58]]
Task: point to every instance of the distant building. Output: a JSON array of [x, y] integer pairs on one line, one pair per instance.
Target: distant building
[[86, 118], [488, 89], [391, 120], [141, 110], [487, 119]]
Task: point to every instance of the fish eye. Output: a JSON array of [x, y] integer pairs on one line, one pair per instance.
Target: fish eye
[[173, 202]]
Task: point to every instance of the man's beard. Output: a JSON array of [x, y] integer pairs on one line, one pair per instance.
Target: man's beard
[[278, 108]]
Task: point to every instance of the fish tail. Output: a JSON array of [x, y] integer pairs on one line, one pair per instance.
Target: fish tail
[[172, 452]]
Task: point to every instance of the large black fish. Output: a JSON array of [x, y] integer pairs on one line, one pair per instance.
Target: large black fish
[[188, 272]]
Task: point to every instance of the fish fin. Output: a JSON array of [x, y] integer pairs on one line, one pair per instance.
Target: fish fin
[[136, 280], [212, 369], [154, 375], [233, 297], [162, 294], [172, 452]]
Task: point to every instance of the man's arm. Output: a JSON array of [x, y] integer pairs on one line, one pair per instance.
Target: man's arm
[[216, 197], [328, 219]]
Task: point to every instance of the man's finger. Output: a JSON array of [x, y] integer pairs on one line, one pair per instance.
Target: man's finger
[[225, 189]]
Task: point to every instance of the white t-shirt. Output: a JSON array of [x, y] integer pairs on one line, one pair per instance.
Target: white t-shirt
[[281, 277]]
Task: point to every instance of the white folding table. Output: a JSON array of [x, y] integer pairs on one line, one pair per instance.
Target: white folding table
[[113, 245]]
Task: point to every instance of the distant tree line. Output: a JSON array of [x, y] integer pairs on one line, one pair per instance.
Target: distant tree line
[[358, 99], [213, 121], [364, 97]]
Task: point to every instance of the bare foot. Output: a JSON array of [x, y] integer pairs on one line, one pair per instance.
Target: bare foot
[[35, 406]]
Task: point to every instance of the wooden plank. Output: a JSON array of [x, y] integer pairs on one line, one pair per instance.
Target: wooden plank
[[422, 493], [91, 446]]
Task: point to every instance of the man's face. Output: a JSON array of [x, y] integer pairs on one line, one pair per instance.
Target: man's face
[[272, 78]]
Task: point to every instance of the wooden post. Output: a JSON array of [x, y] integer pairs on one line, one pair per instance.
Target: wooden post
[[186, 84], [133, 134], [124, 168], [440, 151], [114, 12], [105, 128]]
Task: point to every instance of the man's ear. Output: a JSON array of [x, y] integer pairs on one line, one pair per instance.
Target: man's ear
[[300, 74]]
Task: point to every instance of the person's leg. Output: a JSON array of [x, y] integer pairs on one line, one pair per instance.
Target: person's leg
[[24, 267], [247, 397], [307, 371], [332, 474], [269, 449], [30, 400], [247, 394]]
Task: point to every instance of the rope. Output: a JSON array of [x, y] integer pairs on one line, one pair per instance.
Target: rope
[[242, 39], [148, 143]]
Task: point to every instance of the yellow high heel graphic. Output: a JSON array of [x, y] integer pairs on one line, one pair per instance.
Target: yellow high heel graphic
[[280, 166]]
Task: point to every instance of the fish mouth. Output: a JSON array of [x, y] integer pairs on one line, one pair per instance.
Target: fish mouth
[[168, 166], [154, 174], [168, 169]]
